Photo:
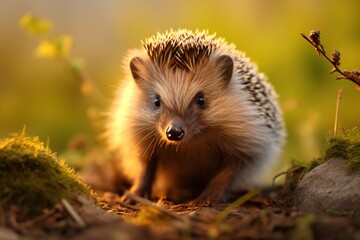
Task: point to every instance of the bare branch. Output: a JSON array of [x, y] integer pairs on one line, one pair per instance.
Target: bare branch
[[314, 40]]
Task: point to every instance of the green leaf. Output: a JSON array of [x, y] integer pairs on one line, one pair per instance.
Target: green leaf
[[35, 25], [58, 47], [77, 65]]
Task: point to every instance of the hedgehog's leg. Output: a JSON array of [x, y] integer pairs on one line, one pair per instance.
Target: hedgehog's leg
[[143, 183], [215, 190]]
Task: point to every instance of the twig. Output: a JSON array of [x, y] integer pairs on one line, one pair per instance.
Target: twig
[[288, 175], [186, 222], [129, 206], [88, 88], [314, 40], [320, 49], [149, 203], [24, 226], [237, 203], [73, 213], [277, 176], [340, 93]]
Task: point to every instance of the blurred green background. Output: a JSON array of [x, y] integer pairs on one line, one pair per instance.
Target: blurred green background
[[44, 96]]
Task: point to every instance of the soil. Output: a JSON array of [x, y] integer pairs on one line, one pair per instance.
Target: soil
[[264, 214]]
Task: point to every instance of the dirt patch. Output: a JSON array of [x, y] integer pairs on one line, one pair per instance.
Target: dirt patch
[[264, 216]]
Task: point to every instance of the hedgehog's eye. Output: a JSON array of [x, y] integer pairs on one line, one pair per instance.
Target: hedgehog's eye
[[157, 102], [200, 100]]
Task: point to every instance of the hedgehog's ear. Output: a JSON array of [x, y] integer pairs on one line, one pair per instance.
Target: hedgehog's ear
[[136, 64], [225, 65]]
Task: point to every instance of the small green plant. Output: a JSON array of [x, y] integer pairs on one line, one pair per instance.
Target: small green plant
[[59, 47], [32, 178]]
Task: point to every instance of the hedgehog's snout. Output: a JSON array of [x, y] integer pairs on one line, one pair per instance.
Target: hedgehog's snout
[[175, 132]]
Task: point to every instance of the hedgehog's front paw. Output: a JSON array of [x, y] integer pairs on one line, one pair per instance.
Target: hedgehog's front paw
[[135, 190], [207, 199]]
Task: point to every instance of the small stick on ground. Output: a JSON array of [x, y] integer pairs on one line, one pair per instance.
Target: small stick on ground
[[73, 213], [129, 206], [149, 203], [25, 226], [186, 222], [237, 203]]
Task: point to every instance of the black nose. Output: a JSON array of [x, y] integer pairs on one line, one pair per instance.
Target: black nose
[[175, 132]]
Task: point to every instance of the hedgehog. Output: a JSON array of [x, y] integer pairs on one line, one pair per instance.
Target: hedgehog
[[193, 120]]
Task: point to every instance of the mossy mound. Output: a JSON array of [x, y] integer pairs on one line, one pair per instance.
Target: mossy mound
[[346, 147], [336, 147], [354, 158], [32, 178]]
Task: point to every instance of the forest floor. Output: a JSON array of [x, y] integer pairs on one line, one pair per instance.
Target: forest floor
[[258, 214], [266, 213]]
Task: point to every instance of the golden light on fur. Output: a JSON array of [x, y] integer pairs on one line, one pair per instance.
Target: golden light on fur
[[193, 119]]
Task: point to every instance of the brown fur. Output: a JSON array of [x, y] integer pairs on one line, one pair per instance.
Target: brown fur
[[226, 142]]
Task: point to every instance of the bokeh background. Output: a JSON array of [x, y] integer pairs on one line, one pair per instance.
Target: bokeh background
[[43, 95]]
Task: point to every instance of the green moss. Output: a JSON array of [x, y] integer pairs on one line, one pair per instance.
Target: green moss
[[32, 178], [354, 158], [346, 146], [333, 147], [336, 147], [315, 162]]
